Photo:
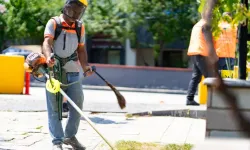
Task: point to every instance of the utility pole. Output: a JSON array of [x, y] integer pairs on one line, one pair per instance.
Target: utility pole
[[242, 48]]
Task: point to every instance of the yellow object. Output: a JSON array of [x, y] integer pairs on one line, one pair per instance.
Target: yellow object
[[84, 2], [236, 72], [11, 74], [227, 73], [27, 68], [55, 88], [202, 92]]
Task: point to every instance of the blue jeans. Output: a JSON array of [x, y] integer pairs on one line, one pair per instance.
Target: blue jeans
[[55, 126]]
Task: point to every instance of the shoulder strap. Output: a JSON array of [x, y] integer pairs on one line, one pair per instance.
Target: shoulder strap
[[78, 29], [58, 29]]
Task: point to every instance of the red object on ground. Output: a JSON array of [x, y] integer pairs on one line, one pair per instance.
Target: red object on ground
[[27, 83]]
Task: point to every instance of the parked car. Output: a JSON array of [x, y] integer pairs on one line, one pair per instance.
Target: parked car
[[16, 51]]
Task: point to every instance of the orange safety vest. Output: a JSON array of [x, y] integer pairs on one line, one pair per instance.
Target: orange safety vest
[[225, 45], [197, 45]]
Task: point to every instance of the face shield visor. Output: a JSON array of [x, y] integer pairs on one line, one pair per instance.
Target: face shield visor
[[74, 10]]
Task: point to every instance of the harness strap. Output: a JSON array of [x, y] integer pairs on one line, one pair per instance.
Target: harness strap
[[60, 74], [59, 98], [63, 61]]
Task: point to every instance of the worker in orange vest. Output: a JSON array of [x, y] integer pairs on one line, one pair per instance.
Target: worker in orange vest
[[198, 52], [225, 45]]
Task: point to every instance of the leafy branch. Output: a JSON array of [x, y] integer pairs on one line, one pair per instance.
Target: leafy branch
[[239, 13]]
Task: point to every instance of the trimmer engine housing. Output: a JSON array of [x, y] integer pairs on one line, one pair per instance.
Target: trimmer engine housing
[[36, 64]]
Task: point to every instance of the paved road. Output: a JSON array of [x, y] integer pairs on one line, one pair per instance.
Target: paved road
[[98, 100]]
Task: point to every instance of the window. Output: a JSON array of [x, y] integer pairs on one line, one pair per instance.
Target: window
[[173, 59], [113, 57]]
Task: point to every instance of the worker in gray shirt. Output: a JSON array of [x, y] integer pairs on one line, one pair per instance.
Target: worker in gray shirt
[[64, 36]]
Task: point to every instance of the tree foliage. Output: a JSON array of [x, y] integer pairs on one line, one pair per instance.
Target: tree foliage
[[239, 13], [109, 17], [120, 19], [2, 24], [166, 20], [20, 20]]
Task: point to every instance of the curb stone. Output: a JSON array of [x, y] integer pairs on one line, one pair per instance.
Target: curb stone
[[201, 114]]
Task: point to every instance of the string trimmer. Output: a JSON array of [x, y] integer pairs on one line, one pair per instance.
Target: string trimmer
[[36, 64]]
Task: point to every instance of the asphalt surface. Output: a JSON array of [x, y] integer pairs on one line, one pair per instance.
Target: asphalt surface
[[99, 101]]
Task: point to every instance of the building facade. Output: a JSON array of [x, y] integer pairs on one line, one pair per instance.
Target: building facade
[[102, 49]]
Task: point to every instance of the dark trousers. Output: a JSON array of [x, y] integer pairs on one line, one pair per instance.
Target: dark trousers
[[226, 63], [199, 69]]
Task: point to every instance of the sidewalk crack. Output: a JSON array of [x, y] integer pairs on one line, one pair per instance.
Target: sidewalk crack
[[190, 127], [34, 143], [167, 129]]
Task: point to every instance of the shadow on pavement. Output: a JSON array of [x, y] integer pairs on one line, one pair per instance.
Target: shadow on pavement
[[99, 120]]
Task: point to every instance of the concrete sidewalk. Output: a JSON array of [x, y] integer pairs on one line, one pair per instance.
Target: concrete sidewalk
[[29, 130], [138, 103]]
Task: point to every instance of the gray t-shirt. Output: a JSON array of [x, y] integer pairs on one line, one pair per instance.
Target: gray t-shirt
[[71, 43]]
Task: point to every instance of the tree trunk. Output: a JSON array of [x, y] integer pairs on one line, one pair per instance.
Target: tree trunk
[[207, 16], [2, 39], [160, 56], [243, 33]]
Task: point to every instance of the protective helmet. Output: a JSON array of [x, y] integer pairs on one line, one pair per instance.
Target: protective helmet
[[74, 9]]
